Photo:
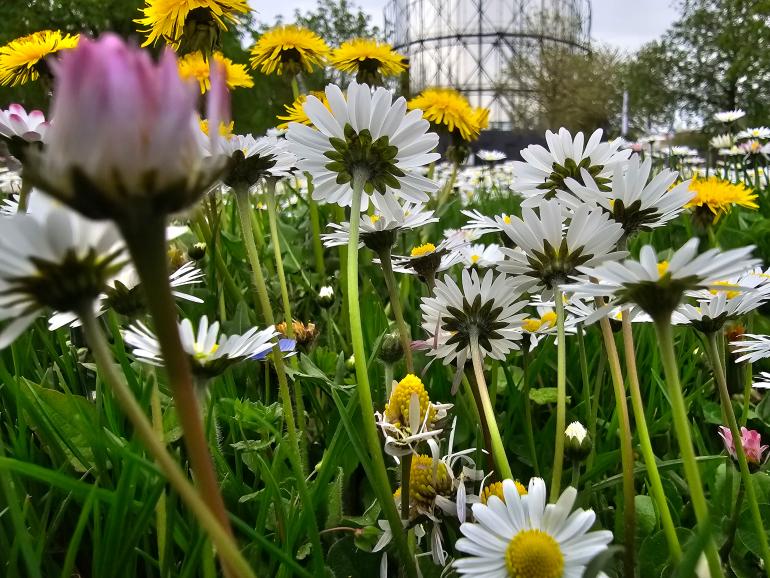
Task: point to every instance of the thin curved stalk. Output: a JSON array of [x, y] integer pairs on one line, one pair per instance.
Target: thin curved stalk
[[732, 423], [528, 427], [295, 458], [395, 304], [682, 429], [379, 480], [656, 486], [227, 548], [497, 449], [626, 450], [561, 396]]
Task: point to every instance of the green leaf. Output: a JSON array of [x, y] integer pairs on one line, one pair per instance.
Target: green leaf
[[747, 533], [544, 395], [334, 508]]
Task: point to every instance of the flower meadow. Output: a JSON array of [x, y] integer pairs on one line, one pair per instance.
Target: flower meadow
[[358, 345]]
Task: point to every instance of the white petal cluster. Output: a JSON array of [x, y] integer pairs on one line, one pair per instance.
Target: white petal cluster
[[17, 122], [382, 116]]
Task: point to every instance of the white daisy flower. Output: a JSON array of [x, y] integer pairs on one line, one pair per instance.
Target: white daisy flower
[[379, 229], [482, 224], [722, 141], [124, 295], [369, 134], [253, 159], [210, 353], [544, 170], [468, 235], [15, 122], [492, 156], [481, 255], [729, 115], [682, 151], [428, 259], [510, 538], [409, 417], [485, 308], [658, 287], [752, 346], [549, 251], [761, 132], [632, 201], [762, 381], [52, 258]]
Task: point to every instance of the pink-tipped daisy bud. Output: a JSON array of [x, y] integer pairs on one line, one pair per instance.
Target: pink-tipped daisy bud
[[577, 442], [124, 142]]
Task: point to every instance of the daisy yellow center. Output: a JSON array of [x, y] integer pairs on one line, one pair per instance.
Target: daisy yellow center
[[531, 325], [374, 218], [534, 554], [729, 293], [506, 219], [496, 489], [549, 318], [423, 250], [201, 354], [475, 258], [397, 408], [425, 483], [662, 268]]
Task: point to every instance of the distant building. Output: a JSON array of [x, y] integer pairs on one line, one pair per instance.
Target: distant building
[[471, 45]]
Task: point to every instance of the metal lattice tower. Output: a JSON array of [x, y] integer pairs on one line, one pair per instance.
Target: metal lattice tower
[[470, 45]]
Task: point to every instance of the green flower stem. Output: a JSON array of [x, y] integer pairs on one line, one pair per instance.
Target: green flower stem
[[294, 87], [315, 227], [448, 185], [146, 240], [561, 395], [273, 221], [487, 411], [656, 486], [388, 371], [727, 406], [160, 509], [406, 473], [626, 450], [295, 457], [343, 282], [528, 427], [26, 189], [590, 417], [205, 235], [395, 303], [469, 381], [682, 429], [232, 560], [379, 480]]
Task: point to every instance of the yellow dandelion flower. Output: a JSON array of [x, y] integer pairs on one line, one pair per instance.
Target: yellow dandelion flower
[[195, 65], [718, 196], [189, 25], [22, 60], [225, 130], [368, 59], [448, 108], [288, 49], [296, 113]]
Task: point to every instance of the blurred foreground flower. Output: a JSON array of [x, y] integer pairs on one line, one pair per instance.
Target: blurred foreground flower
[[751, 440], [524, 536], [124, 143], [24, 59], [52, 258]]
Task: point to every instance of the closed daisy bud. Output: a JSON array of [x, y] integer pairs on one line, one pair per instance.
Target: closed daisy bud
[[124, 145], [391, 350], [197, 251], [326, 296], [577, 442]]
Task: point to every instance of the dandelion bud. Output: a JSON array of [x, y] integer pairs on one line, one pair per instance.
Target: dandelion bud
[[326, 296], [391, 350], [577, 442], [197, 251]]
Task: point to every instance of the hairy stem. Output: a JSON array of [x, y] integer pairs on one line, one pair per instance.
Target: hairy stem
[[561, 396], [395, 303]]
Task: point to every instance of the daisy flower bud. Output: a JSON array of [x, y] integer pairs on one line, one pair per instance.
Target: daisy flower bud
[[326, 296], [124, 141], [577, 441]]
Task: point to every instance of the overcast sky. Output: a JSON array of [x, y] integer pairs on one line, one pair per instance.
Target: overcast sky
[[626, 24]]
